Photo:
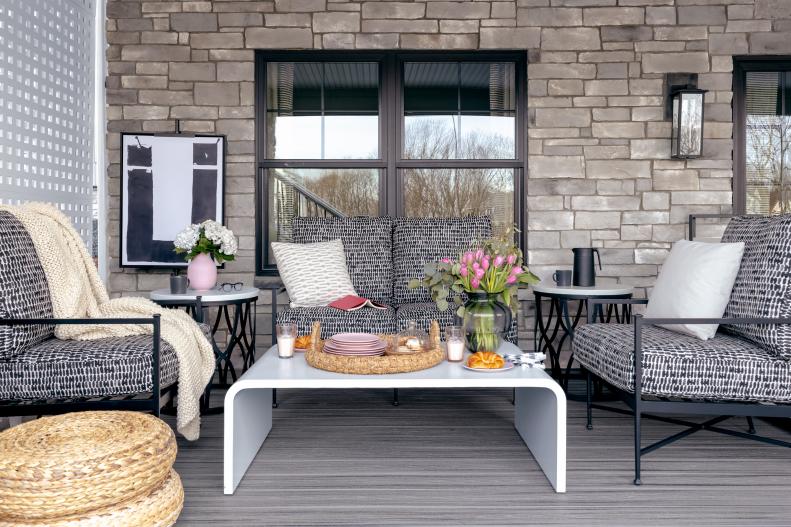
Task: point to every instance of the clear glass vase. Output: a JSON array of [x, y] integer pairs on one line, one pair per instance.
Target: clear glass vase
[[486, 321]]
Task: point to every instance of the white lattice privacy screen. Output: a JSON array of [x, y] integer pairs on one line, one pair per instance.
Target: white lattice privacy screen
[[46, 106]]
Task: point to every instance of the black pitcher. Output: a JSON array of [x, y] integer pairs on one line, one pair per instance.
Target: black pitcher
[[584, 270]]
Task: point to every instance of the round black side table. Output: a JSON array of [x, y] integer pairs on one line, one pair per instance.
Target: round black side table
[[236, 312], [552, 333]]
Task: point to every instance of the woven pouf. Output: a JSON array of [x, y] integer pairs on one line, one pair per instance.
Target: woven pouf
[[158, 508], [71, 464]]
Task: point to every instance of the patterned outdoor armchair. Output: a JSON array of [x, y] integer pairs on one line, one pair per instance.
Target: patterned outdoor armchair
[[40, 374], [745, 370]]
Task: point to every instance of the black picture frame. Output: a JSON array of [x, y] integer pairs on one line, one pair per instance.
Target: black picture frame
[[130, 212]]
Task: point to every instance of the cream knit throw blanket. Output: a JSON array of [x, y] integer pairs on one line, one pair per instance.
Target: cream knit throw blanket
[[78, 292]]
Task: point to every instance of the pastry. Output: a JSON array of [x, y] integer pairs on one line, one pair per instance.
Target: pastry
[[488, 360], [303, 342]]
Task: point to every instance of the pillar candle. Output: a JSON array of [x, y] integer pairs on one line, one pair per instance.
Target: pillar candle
[[285, 347], [455, 350]]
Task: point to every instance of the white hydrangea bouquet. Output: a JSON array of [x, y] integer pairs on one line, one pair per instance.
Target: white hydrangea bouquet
[[210, 238]]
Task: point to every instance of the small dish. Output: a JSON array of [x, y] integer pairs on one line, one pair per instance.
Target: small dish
[[508, 365]]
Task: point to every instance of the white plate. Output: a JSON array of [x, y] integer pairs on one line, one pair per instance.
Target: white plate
[[508, 365]]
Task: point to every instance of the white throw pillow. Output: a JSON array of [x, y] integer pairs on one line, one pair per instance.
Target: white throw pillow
[[695, 282], [314, 274]]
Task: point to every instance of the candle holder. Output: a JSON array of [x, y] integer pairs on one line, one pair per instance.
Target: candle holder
[[286, 340], [456, 343]]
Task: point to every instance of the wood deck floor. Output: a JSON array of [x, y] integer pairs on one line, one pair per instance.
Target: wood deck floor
[[449, 457]]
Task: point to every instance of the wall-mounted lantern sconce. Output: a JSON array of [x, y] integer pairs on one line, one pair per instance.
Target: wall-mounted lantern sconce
[[687, 136], [685, 106]]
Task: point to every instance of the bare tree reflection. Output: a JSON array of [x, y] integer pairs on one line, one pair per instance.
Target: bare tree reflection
[[691, 139], [767, 152], [436, 192], [353, 192]]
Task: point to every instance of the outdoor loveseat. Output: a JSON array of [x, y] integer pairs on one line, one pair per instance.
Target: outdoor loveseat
[[40, 374], [745, 370], [383, 254]]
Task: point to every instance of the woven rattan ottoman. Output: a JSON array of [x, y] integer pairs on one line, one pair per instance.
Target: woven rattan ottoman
[[89, 468]]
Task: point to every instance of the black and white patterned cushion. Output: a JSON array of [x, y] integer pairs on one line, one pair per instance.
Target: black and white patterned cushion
[[24, 292], [315, 274], [67, 369], [675, 365], [425, 312], [418, 241], [365, 320], [763, 284], [368, 245]]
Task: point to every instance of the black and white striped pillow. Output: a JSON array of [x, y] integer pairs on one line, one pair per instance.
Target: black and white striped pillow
[[314, 274]]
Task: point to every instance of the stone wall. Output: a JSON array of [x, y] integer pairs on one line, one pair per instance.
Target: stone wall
[[600, 172]]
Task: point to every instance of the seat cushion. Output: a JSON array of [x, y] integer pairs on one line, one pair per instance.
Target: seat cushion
[[726, 367], [68, 369], [763, 284], [425, 312], [418, 241], [24, 292], [365, 320], [368, 245]]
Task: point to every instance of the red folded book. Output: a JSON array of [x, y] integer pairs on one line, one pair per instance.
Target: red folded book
[[353, 303]]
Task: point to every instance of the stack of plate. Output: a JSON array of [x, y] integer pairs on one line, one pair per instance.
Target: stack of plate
[[355, 345]]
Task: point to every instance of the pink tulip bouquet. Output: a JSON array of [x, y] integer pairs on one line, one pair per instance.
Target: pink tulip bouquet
[[494, 266]]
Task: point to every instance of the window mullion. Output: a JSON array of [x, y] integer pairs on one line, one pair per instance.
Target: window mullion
[[394, 133], [321, 91]]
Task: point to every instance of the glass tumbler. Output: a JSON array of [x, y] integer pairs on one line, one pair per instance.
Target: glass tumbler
[[286, 340]]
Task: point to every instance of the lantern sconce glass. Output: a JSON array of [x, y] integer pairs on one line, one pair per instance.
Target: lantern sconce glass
[[687, 134]]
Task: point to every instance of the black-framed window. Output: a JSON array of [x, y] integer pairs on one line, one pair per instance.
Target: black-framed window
[[388, 133], [762, 150]]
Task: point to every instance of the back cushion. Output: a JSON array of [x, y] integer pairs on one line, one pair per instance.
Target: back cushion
[[763, 284], [418, 241], [368, 243], [24, 292]]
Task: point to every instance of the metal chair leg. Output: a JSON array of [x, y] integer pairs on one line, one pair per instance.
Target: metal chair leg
[[395, 397], [637, 449], [513, 396], [750, 425], [274, 397], [589, 399]]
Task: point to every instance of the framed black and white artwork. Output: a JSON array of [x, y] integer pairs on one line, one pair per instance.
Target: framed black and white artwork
[[167, 182]]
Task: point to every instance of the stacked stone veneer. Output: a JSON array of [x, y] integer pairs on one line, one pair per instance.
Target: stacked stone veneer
[[600, 172]]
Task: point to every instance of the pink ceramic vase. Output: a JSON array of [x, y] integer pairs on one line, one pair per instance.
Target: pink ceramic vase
[[202, 272]]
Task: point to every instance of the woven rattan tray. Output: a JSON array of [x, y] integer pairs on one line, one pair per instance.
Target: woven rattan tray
[[374, 365]]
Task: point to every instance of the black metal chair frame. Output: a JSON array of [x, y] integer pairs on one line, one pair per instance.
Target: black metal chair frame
[[642, 408], [129, 402]]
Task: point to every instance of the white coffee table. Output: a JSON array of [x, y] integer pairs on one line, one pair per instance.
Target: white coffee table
[[539, 408]]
